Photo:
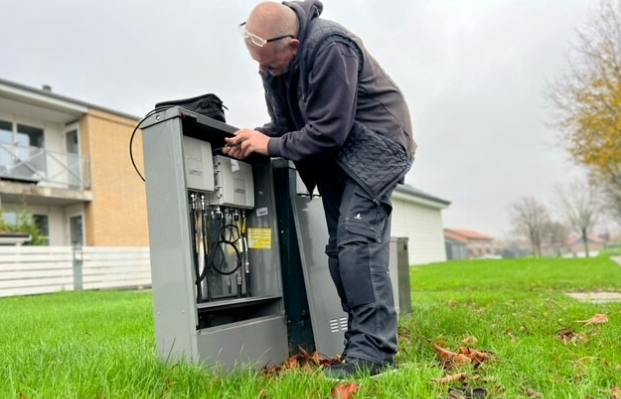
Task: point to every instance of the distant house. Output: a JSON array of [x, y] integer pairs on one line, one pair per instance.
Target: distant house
[[456, 246], [575, 245], [468, 244], [418, 216]]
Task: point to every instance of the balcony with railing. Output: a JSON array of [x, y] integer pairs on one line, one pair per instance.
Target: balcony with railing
[[43, 167]]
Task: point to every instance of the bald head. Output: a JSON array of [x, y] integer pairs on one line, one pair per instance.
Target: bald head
[[271, 19], [276, 27]]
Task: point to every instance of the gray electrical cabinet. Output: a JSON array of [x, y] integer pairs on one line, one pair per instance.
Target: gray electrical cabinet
[[309, 229], [238, 267], [215, 259], [400, 274]]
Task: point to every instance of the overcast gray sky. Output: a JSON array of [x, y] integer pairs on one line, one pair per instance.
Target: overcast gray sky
[[473, 72]]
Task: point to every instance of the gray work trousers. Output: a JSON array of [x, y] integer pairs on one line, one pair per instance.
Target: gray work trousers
[[358, 250]]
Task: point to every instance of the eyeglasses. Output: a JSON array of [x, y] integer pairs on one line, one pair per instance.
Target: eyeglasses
[[256, 40]]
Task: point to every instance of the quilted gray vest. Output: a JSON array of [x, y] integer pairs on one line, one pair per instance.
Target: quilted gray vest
[[373, 158]]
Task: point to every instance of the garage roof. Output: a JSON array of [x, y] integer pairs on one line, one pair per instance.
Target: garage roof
[[409, 193]]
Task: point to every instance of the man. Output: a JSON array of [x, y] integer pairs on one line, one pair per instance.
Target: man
[[346, 126]]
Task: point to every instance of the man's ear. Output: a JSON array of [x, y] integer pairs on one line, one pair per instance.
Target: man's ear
[[294, 45]]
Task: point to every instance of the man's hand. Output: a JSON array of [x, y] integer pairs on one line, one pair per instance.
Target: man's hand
[[245, 142]]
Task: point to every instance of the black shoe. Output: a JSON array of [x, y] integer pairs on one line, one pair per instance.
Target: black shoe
[[352, 368]]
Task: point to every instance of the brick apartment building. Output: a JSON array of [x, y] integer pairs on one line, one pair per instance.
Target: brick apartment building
[[67, 162]]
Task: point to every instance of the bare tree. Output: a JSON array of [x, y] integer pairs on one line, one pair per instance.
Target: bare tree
[[531, 218], [579, 205], [558, 236]]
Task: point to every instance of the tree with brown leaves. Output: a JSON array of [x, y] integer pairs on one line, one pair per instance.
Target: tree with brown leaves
[[586, 99]]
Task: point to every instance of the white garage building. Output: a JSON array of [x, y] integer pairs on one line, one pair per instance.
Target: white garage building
[[418, 216]]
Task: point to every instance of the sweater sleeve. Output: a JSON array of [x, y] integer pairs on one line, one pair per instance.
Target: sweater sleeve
[[330, 105]]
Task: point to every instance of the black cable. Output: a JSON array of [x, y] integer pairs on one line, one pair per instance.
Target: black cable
[[199, 292], [231, 233], [131, 139], [215, 249], [212, 264]]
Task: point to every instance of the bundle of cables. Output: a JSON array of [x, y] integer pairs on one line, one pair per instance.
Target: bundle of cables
[[223, 231], [209, 105]]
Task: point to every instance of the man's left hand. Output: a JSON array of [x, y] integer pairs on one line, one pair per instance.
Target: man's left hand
[[245, 142]]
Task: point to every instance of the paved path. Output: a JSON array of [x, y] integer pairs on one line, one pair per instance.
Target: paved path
[[598, 297]]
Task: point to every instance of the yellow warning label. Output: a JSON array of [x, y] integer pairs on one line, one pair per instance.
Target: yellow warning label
[[260, 238]]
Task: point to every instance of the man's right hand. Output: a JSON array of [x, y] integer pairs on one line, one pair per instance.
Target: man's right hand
[[245, 142]]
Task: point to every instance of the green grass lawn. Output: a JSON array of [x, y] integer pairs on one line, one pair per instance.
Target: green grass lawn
[[102, 344]]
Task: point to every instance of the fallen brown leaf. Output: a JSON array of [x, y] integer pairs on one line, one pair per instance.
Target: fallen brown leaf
[[167, 386], [470, 340], [568, 335], [271, 371], [581, 367], [510, 334], [615, 393], [467, 393], [316, 358], [456, 393], [461, 377], [474, 355], [443, 353], [464, 356], [302, 361], [597, 319], [450, 359], [533, 394], [329, 361], [292, 363], [345, 391]]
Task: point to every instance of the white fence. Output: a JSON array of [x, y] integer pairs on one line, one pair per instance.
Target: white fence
[[38, 270]]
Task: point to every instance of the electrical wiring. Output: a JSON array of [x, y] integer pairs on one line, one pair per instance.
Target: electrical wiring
[[216, 259], [131, 138], [195, 246]]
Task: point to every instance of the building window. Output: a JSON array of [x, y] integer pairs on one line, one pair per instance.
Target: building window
[[40, 221], [25, 136], [6, 132], [21, 150], [10, 218], [76, 231], [6, 142], [28, 136]]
